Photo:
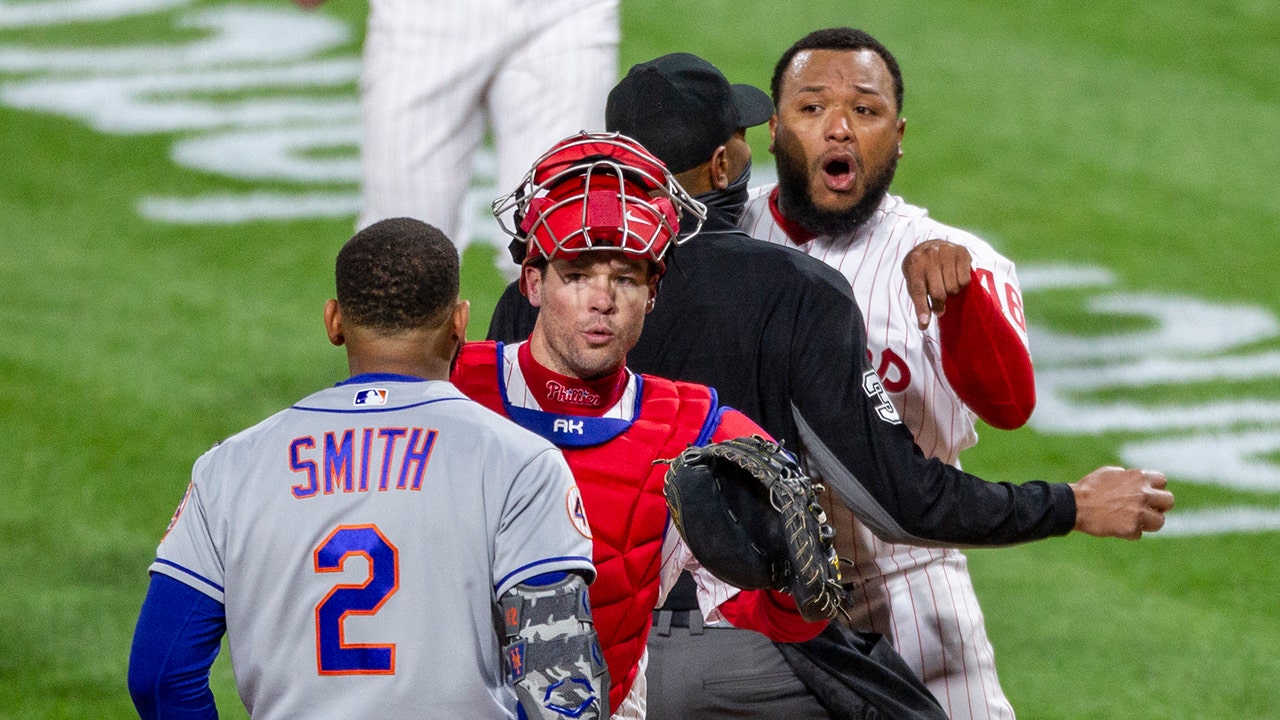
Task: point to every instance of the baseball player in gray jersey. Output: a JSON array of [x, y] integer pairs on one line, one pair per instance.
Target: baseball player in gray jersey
[[384, 547], [438, 74], [837, 135]]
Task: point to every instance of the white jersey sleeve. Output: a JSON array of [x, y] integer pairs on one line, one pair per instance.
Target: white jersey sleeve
[[996, 272]]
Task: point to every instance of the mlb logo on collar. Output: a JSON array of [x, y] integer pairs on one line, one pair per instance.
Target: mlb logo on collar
[[371, 396]]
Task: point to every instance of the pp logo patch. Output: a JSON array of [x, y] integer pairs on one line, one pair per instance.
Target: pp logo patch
[[371, 396], [577, 513]]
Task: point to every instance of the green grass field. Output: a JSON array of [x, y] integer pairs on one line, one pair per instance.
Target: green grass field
[[1141, 140]]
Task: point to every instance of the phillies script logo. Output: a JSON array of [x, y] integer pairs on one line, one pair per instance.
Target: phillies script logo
[[571, 396]]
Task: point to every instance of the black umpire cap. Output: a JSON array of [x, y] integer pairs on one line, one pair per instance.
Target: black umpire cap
[[681, 108]]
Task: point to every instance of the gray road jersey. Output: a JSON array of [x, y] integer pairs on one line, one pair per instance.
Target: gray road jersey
[[358, 541]]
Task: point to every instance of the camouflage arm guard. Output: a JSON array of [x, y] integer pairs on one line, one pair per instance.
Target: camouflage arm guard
[[551, 653]]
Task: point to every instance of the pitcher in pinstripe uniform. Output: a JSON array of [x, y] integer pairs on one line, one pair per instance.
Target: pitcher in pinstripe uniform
[[945, 332]]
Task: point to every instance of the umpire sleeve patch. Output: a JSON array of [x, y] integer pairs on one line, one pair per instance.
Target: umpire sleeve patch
[[874, 390]]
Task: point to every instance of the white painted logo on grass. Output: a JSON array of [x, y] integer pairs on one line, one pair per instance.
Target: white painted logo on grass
[[1223, 440]]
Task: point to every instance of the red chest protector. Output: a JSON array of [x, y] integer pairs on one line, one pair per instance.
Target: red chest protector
[[622, 492]]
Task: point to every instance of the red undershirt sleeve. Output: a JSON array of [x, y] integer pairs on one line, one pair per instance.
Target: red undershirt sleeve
[[772, 613], [733, 424], [984, 359]]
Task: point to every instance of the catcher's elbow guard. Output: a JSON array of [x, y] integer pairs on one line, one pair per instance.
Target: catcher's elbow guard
[[551, 653]]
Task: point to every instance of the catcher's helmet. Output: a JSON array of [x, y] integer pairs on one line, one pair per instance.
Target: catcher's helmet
[[598, 191]]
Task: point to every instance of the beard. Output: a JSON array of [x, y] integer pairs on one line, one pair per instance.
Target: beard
[[793, 193]]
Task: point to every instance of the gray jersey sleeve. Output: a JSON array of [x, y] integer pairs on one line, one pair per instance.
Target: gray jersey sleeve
[[542, 508], [188, 552]]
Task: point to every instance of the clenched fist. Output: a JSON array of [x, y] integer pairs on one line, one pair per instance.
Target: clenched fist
[[1115, 502]]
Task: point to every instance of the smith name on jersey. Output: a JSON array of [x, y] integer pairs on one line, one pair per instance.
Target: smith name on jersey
[[340, 463]]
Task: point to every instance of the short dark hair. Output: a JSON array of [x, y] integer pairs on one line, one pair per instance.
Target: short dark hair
[[396, 275], [841, 38]]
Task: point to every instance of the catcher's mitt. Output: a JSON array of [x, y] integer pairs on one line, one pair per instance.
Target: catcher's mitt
[[751, 517]]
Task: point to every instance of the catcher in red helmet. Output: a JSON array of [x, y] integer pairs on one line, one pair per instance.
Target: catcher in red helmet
[[595, 216], [596, 191]]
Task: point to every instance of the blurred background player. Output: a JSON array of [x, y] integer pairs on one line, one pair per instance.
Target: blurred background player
[[438, 74], [344, 542], [837, 137], [598, 213]]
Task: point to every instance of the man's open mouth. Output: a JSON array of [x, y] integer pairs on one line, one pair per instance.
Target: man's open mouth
[[839, 174]]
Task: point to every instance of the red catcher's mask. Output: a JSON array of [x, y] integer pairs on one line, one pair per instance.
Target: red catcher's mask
[[599, 191]]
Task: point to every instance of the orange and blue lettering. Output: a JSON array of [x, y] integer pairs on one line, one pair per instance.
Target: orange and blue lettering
[[416, 455], [338, 461], [335, 656], [364, 459], [296, 464], [391, 435]]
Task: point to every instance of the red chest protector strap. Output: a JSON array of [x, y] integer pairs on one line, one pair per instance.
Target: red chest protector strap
[[475, 372]]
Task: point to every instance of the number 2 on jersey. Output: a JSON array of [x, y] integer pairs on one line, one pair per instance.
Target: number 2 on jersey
[[334, 656]]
